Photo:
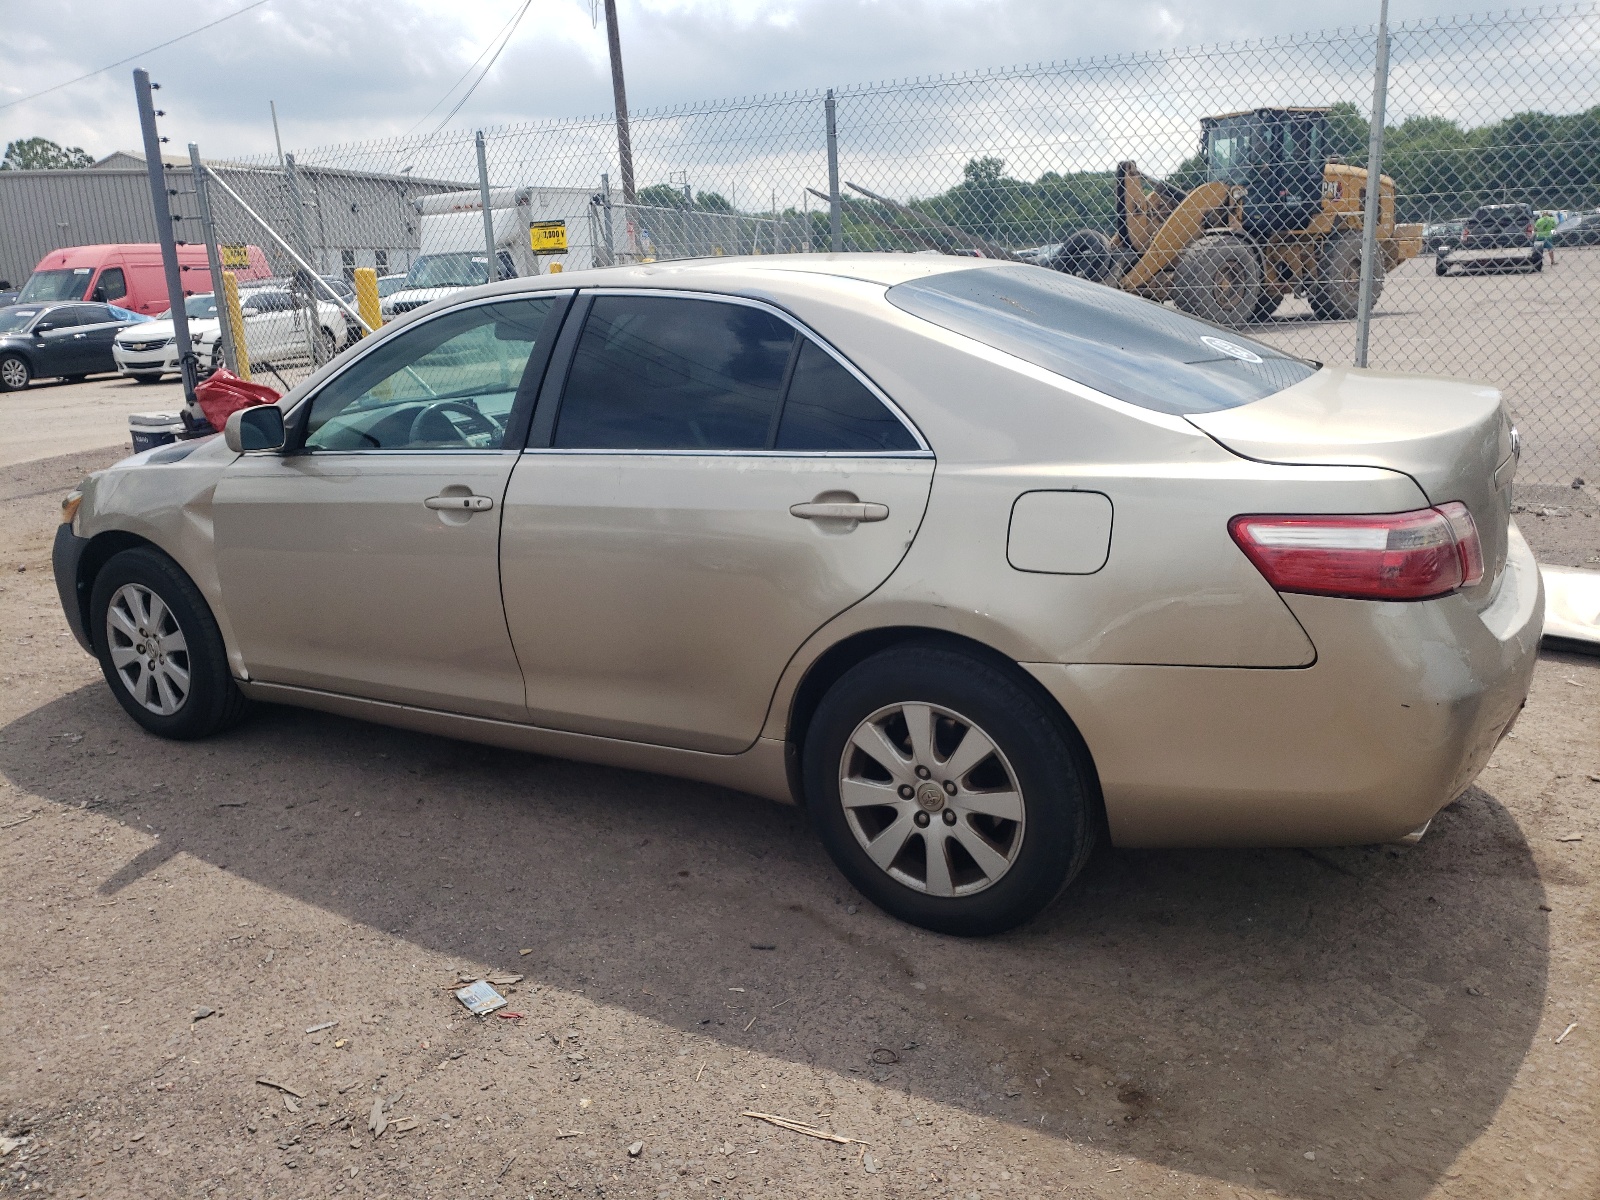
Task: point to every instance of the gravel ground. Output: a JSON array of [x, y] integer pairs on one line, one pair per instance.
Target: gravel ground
[[174, 919]]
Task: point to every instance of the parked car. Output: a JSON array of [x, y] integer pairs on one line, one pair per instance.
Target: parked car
[[1496, 236], [1580, 230], [58, 341], [388, 285], [1166, 580], [1442, 235], [8, 294], [129, 275], [274, 328]]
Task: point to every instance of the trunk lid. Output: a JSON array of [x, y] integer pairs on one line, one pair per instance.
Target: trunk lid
[[1454, 438]]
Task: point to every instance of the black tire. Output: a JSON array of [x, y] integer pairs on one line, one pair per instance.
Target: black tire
[[75, 378], [1441, 267], [327, 346], [1218, 279], [15, 373], [1335, 294], [213, 701], [1267, 305], [1086, 254], [1039, 753], [146, 377]]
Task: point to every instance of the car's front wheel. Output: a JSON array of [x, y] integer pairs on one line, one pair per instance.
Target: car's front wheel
[[160, 649], [947, 791], [14, 373]]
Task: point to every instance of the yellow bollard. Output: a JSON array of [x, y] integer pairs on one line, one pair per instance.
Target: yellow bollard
[[235, 319], [366, 285], [556, 268]]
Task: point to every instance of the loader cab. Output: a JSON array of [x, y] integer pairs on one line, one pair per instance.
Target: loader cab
[[1277, 156]]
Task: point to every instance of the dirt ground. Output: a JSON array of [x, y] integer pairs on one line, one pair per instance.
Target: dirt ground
[[176, 919]]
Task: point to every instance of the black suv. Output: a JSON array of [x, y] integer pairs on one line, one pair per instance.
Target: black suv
[[1495, 236]]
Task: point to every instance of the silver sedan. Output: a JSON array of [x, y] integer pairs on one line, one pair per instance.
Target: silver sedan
[[976, 561]]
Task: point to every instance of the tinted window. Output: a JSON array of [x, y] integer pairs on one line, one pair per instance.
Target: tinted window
[[94, 314], [660, 373], [1132, 349], [447, 384], [828, 408], [112, 285], [267, 301]]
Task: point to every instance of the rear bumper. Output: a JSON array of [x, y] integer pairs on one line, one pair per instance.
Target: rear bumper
[[65, 557], [1401, 710]]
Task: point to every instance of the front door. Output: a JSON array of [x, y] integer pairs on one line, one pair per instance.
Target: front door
[[366, 561], [58, 343], [713, 488]]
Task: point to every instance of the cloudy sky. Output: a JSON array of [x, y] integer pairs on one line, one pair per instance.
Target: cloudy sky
[[353, 70]]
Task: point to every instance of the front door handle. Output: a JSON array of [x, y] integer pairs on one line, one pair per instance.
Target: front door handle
[[459, 503], [834, 510]]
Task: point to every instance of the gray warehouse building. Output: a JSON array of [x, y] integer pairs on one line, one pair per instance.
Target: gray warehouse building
[[344, 219]]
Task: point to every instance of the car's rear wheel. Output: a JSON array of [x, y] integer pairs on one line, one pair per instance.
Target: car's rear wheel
[[14, 373], [160, 649], [947, 791]]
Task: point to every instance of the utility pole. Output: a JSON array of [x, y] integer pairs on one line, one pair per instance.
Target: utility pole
[[619, 97]]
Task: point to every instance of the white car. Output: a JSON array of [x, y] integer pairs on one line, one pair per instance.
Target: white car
[[435, 275], [274, 330]]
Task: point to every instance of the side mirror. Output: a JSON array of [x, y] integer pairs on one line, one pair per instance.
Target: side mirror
[[259, 427], [45, 326]]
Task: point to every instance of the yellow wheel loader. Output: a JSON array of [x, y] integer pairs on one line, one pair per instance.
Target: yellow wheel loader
[[1274, 216]]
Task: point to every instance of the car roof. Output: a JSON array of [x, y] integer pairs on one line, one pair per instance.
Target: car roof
[[729, 273]]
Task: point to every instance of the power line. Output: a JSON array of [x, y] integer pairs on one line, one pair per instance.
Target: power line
[[486, 67], [505, 33], [140, 54]]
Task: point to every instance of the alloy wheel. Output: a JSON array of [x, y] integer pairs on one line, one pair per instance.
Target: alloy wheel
[[148, 650], [932, 800], [13, 373]]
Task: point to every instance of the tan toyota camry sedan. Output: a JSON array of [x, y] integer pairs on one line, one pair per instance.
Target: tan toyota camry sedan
[[974, 560]]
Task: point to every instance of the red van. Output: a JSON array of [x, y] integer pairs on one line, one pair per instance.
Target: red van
[[129, 275]]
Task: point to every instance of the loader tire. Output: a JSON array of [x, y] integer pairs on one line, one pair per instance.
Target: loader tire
[[1218, 279], [1086, 254], [1335, 294]]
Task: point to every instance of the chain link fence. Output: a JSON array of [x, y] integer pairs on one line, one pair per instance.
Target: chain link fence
[[1227, 179]]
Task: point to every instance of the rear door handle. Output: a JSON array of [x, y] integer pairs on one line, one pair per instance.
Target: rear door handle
[[469, 504], [840, 511]]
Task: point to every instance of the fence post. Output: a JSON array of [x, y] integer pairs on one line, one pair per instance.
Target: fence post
[[491, 266], [142, 87], [1369, 219], [835, 217], [605, 221], [292, 177], [202, 199]]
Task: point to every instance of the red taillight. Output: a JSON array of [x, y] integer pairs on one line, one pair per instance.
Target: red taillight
[[1387, 556]]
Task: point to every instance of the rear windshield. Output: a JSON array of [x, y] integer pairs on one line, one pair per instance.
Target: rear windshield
[[1501, 215], [1132, 349]]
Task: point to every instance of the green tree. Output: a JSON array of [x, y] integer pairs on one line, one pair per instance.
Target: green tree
[[41, 154], [713, 202], [662, 195]]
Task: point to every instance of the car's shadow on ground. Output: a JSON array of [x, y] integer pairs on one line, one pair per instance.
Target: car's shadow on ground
[[1211, 1012]]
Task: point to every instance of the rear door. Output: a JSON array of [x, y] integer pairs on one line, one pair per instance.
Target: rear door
[[99, 327], [707, 487], [58, 339]]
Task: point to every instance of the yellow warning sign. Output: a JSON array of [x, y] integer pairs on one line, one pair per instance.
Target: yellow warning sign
[[234, 258], [548, 237]]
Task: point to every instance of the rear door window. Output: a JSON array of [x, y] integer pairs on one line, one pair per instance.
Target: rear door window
[[1131, 349], [670, 373], [828, 408]]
